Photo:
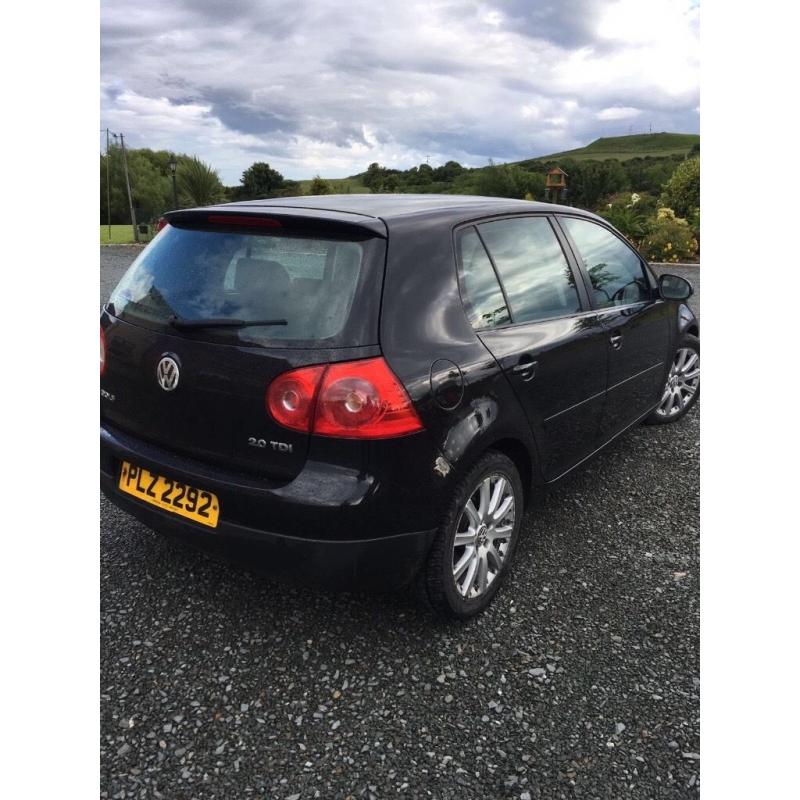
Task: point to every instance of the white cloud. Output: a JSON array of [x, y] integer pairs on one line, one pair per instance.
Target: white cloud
[[618, 112], [327, 87]]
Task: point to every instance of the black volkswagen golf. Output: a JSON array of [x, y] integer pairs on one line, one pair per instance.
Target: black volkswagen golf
[[368, 390]]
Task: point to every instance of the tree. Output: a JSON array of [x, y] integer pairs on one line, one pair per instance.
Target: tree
[[530, 183], [320, 186], [260, 180], [506, 180], [151, 188], [424, 174], [374, 177], [682, 191], [290, 189], [448, 171], [650, 174], [591, 181], [199, 184]]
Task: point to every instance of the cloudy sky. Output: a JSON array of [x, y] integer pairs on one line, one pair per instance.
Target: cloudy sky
[[317, 86]]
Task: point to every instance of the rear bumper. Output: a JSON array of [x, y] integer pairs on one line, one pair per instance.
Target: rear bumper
[[320, 528]]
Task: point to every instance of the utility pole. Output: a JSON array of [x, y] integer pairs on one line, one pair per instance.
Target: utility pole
[[173, 168], [130, 196], [108, 185]]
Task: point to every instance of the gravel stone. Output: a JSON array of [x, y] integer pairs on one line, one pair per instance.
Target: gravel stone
[[214, 637]]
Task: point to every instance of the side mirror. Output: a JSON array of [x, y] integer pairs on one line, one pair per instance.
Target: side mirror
[[673, 287]]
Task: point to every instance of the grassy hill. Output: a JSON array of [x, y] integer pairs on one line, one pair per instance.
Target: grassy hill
[[622, 148], [655, 145]]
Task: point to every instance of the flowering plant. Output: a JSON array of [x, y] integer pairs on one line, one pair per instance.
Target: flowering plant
[[669, 238]]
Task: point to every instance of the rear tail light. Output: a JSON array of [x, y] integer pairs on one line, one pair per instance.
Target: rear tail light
[[365, 400], [102, 351], [291, 398], [162, 223], [352, 400]]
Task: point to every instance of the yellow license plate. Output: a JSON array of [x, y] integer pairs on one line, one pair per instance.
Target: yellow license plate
[[187, 501]]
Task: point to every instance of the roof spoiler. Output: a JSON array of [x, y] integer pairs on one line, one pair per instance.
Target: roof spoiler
[[263, 217]]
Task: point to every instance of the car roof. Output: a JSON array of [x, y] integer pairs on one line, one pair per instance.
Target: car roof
[[388, 207]]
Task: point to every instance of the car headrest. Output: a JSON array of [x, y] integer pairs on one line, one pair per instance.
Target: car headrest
[[259, 275]]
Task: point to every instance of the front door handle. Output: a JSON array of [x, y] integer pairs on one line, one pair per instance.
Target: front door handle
[[525, 369], [615, 340]]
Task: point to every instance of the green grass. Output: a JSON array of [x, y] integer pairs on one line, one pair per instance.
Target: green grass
[[656, 145], [120, 234], [339, 186]]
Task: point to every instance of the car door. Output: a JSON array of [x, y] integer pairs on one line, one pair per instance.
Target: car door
[[531, 313], [634, 316]]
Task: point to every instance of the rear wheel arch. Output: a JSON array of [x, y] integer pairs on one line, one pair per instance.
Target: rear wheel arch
[[513, 447], [522, 458]]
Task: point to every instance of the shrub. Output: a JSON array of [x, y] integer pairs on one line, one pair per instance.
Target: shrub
[[319, 186], [627, 220], [669, 238], [682, 190], [199, 183], [628, 213], [508, 180]]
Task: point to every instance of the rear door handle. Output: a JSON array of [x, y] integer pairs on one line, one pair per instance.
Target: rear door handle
[[615, 340], [525, 368]]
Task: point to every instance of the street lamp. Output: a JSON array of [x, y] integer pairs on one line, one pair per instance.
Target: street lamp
[[173, 168]]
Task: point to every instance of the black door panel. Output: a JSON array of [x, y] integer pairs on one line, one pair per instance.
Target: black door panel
[[557, 369], [553, 353], [638, 340], [635, 320]]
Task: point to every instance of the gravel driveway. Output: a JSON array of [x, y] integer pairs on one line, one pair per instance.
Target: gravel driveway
[[581, 681]]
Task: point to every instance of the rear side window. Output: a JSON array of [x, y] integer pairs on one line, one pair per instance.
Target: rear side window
[[616, 272], [483, 297], [203, 274], [533, 268]]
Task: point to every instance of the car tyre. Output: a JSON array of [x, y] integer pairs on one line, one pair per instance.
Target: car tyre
[[476, 540], [682, 387]]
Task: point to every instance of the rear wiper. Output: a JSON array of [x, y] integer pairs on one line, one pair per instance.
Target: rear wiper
[[178, 322]]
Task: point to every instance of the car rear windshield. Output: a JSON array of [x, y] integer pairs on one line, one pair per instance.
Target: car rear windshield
[[308, 287]]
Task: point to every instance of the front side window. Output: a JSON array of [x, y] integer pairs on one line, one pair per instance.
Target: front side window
[[484, 301], [533, 268], [616, 272]]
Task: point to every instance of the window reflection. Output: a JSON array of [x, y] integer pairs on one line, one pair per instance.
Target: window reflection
[[535, 273], [486, 306], [614, 269], [196, 274]]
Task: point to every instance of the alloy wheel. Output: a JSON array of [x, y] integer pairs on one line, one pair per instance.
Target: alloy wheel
[[682, 383], [483, 535]]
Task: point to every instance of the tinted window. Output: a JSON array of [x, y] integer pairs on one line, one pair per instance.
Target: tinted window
[[484, 301], [535, 273], [615, 270], [198, 274]]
